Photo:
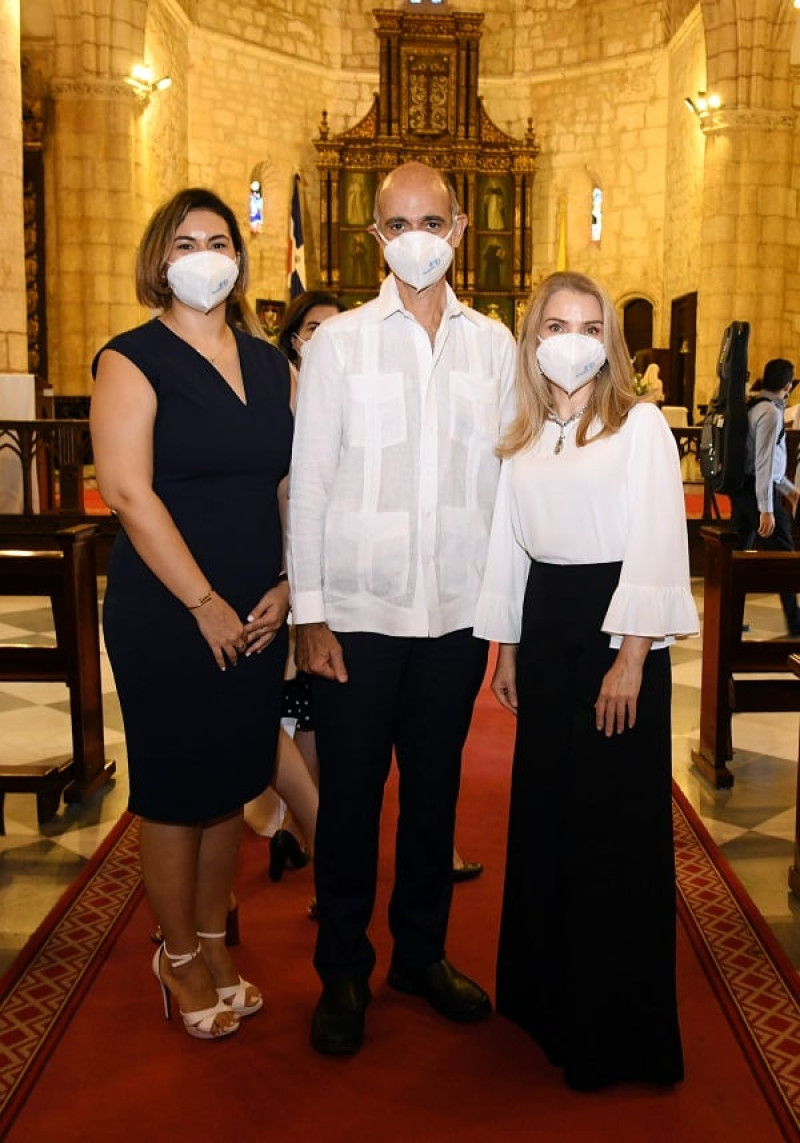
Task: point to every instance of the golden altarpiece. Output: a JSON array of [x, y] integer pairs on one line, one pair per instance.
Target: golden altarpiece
[[428, 109]]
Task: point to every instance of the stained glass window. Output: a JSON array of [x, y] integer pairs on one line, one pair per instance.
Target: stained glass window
[[597, 213]]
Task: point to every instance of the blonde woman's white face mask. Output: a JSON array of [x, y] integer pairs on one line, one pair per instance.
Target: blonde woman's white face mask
[[569, 360]]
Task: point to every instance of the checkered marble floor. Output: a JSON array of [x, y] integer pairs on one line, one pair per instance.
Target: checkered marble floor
[[753, 822]]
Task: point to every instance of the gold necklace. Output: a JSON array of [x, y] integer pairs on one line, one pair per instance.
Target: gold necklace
[[562, 425], [223, 346]]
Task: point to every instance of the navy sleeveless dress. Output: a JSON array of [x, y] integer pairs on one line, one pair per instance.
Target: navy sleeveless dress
[[201, 741]]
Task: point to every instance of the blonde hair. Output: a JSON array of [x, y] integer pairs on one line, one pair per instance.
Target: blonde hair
[[613, 394], [154, 250]]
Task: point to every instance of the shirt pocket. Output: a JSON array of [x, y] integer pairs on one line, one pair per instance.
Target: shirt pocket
[[375, 410], [464, 541], [366, 553], [474, 408]]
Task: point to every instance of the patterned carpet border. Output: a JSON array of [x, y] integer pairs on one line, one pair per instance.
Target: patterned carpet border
[[757, 986], [753, 978], [44, 986]]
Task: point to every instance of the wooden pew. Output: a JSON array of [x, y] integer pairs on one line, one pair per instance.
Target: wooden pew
[[59, 563], [729, 576], [794, 871]]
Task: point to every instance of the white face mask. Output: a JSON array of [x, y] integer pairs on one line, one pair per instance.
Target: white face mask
[[418, 257], [299, 345], [203, 279], [569, 360]]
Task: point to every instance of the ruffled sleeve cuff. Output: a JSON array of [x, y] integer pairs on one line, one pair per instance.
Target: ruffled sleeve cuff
[[497, 618], [657, 612]]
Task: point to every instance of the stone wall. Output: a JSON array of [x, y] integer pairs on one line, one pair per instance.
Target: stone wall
[[683, 203], [254, 113], [13, 308], [162, 134], [603, 82], [604, 123]]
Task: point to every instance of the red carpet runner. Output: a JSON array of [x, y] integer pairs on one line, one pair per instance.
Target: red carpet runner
[[87, 1055]]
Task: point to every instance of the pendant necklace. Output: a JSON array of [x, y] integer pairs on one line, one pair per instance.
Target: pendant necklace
[[562, 425], [223, 345]]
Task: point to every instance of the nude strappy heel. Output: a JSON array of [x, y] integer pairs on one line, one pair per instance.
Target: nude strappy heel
[[234, 996], [199, 1024]]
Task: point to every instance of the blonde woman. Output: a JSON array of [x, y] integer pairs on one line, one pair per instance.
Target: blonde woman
[[587, 583]]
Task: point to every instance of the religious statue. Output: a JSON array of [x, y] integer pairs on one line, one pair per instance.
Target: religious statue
[[494, 206], [358, 211]]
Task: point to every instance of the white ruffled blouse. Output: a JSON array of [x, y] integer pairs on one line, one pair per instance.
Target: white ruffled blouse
[[617, 499]]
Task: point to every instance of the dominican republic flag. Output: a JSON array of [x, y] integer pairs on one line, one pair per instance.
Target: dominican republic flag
[[296, 263]]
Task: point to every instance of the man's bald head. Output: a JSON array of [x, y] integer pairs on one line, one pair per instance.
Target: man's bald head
[[411, 178]]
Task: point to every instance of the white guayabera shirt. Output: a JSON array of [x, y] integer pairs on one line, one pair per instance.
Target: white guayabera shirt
[[618, 499], [394, 470]]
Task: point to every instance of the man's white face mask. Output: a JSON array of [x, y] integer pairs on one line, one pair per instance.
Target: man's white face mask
[[418, 257]]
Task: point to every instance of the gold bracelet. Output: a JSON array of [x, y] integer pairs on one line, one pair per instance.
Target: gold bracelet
[[202, 601]]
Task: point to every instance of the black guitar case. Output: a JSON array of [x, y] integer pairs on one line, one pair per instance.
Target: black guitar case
[[724, 435]]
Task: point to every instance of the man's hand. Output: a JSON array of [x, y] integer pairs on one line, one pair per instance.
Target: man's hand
[[319, 652], [766, 524]]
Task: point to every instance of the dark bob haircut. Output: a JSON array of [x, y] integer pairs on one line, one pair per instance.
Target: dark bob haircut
[[296, 313]]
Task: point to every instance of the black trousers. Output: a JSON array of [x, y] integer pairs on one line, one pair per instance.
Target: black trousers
[[745, 518], [414, 695], [586, 962]]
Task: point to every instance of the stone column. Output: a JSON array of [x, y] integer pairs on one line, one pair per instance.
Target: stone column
[[748, 251], [749, 208], [13, 307], [93, 226]]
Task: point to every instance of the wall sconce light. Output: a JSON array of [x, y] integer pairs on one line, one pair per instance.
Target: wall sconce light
[[703, 103], [142, 80]]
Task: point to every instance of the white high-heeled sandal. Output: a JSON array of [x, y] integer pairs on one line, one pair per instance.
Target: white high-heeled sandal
[[234, 996], [199, 1024]]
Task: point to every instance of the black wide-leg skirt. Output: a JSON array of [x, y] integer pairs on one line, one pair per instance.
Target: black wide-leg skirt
[[586, 962]]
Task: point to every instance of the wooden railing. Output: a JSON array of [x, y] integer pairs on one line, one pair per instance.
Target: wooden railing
[[54, 548], [56, 452], [60, 566], [53, 455]]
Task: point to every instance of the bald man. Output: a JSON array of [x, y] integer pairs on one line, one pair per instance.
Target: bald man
[[401, 406]]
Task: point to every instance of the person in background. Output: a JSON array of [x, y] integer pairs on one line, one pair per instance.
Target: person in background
[[652, 384], [296, 775], [191, 432], [763, 508], [303, 316], [400, 407], [585, 587]]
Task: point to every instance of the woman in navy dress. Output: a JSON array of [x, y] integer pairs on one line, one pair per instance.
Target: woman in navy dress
[[586, 585], [191, 431]]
